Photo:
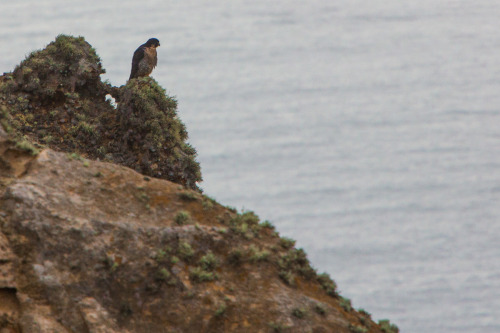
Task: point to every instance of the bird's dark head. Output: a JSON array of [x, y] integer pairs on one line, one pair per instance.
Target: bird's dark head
[[153, 42]]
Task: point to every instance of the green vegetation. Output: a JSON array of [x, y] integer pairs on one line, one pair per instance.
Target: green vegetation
[[160, 255], [182, 217], [75, 156], [146, 111], [204, 271], [245, 224], [56, 96], [267, 224], [174, 260], [387, 327], [320, 309], [188, 196], [5, 119], [364, 313], [163, 274], [66, 56], [299, 313], [287, 243], [208, 202], [327, 284], [208, 262], [357, 329], [142, 196], [345, 304], [221, 309], [257, 255], [295, 262], [185, 251], [27, 146], [288, 277], [235, 257], [83, 128], [198, 274]]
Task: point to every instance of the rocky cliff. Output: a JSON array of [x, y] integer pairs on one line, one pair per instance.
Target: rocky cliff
[[103, 229]]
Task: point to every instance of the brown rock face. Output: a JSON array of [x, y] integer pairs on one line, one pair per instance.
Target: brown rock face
[[87, 246]]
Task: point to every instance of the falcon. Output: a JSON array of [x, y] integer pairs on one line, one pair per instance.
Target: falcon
[[144, 59]]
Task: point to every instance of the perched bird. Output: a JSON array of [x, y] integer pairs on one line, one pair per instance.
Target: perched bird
[[145, 59]]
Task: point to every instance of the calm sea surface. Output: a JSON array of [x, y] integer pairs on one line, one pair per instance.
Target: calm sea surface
[[367, 130]]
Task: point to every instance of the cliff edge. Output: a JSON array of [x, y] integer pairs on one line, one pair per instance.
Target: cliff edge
[[123, 241]]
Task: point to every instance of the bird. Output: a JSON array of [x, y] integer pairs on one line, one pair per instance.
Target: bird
[[144, 59]]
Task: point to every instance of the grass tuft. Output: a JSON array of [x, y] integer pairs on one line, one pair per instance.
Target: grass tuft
[[387, 327], [345, 303], [182, 217]]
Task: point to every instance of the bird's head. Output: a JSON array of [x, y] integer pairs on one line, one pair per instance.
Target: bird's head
[[153, 42]]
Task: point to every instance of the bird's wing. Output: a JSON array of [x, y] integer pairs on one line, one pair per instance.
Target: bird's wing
[[138, 55], [155, 59]]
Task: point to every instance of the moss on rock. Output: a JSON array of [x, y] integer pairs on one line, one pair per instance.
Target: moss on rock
[[148, 125]]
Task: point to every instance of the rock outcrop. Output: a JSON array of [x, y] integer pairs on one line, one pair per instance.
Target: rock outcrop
[[94, 246], [55, 97]]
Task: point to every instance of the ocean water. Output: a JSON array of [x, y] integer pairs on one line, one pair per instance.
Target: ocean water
[[366, 130]]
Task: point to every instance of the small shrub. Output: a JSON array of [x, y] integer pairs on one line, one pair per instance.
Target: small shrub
[[75, 156], [163, 274], [365, 313], [198, 274], [327, 284], [296, 261], [207, 202], [185, 251], [220, 310], [160, 255], [27, 146], [387, 327], [208, 262], [182, 217], [320, 309], [256, 255], [250, 218], [299, 313], [84, 128], [174, 260], [357, 329], [188, 196], [267, 224], [366, 317], [345, 303], [288, 277], [287, 243], [47, 139], [245, 224], [235, 257]]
